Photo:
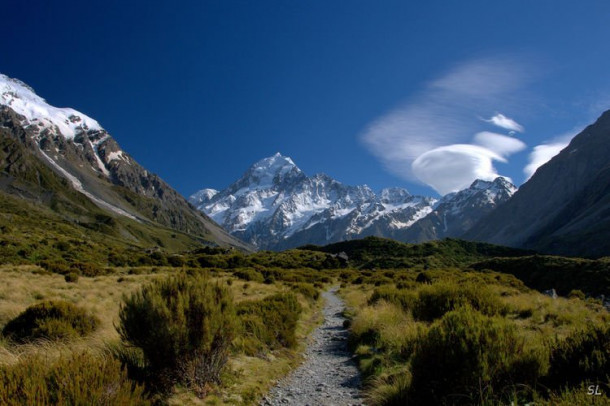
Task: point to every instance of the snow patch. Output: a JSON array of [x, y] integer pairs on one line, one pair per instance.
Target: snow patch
[[76, 184], [116, 155], [22, 99]]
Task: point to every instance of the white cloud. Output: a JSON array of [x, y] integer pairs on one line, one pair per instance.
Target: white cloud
[[498, 143], [502, 121], [454, 167], [540, 155], [484, 78], [543, 153], [446, 113]]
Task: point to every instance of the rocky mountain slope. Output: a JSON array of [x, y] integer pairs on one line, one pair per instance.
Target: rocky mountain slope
[[37, 137], [457, 212], [564, 207], [274, 205]]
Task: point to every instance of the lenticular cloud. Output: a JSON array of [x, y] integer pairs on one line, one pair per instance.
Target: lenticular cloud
[[453, 167], [500, 144], [500, 120], [429, 137]]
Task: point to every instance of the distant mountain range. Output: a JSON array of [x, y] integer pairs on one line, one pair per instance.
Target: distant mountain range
[[274, 205], [66, 161], [61, 172]]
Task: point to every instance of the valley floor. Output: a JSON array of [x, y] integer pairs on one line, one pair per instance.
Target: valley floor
[[329, 375]]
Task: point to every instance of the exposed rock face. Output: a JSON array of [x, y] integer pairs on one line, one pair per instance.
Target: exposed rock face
[[563, 208], [274, 205], [80, 150]]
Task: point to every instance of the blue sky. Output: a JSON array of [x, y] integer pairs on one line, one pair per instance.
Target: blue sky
[[385, 93]]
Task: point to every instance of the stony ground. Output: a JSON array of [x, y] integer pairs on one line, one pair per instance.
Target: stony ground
[[328, 376]]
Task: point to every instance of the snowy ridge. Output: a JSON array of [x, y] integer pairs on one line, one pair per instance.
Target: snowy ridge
[[274, 205], [22, 99], [274, 202], [51, 128], [44, 120]]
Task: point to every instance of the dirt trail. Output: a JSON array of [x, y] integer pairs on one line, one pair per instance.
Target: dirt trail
[[328, 376]]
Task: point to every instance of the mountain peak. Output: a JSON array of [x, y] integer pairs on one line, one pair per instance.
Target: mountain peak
[[394, 195], [269, 171], [277, 161], [22, 99], [499, 182]]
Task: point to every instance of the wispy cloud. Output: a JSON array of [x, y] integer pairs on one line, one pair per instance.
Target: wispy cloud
[[499, 143], [502, 121], [435, 127], [543, 153]]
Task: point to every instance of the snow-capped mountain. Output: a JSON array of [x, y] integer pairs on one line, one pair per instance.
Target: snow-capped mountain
[[457, 212], [77, 148], [274, 205]]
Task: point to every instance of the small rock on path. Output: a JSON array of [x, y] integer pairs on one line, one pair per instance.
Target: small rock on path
[[329, 375]]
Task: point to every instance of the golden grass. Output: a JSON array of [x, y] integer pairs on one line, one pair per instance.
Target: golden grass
[[246, 379], [397, 330], [355, 296]]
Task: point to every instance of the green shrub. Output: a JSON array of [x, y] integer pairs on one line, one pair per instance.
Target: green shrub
[[51, 320], [402, 298], [576, 294], [435, 300], [184, 326], [60, 267], [423, 277], [87, 269], [72, 277], [307, 290], [466, 357], [582, 356], [79, 379], [249, 274], [176, 261], [272, 320]]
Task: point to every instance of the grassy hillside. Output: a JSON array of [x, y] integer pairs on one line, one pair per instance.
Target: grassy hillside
[[490, 338], [563, 274], [382, 253], [33, 197], [32, 232]]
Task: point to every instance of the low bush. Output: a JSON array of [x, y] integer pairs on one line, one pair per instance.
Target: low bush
[[60, 267], [79, 379], [467, 357], [577, 294], [435, 300], [72, 277], [87, 269], [405, 299], [184, 326], [307, 290], [272, 320], [387, 328], [582, 356], [249, 274], [53, 320]]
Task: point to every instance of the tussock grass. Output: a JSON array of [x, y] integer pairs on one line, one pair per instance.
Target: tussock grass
[[516, 345]]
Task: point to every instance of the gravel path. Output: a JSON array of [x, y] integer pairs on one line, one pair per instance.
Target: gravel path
[[329, 375]]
